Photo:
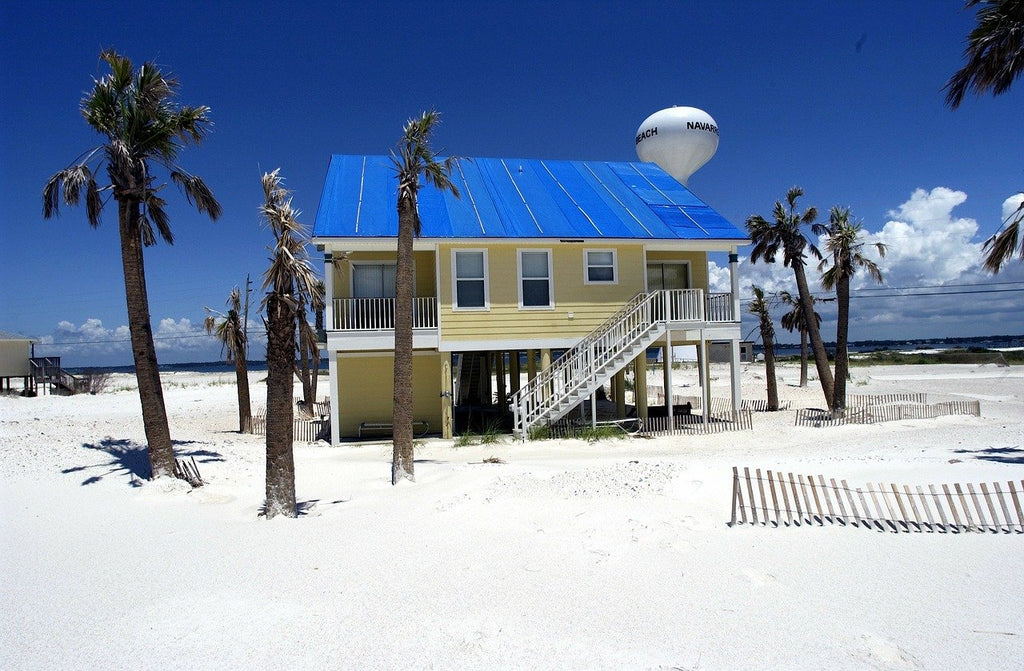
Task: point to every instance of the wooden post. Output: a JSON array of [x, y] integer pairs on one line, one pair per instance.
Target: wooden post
[[991, 507], [785, 500], [735, 494], [952, 507], [620, 393], [447, 430], [500, 373], [513, 371], [750, 491], [531, 364], [775, 500], [1016, 504], [796, 500], [640, 385]]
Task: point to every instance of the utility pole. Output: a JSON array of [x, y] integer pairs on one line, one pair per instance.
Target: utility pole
[[245, 324]]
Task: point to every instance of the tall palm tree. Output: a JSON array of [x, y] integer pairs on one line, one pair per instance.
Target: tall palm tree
[[308, 347], [785, 233], [760, 306], [289, 282], [230, 331], [143, 128], [412, 159], [794, 321], [995, 59], [843, 256]]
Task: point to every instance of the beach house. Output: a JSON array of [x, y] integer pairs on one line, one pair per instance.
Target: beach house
[[545, 281]]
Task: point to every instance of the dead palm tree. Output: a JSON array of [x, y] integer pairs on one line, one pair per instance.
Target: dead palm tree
[[995, 59], [760, 306], [230, 331], [143, 128], [843, 256], [785, 233], [289, 282], [412, 160], [794, 321]]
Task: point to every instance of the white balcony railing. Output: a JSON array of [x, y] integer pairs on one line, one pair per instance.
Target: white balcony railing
[[378, 314]]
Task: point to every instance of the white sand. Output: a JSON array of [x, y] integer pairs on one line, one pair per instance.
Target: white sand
[[571, 555]]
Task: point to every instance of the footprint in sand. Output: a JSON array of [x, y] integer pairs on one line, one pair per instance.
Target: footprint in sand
[[758, 578], [882, 653]]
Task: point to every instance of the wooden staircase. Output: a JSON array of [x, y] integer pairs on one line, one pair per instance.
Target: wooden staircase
[[47, 372]]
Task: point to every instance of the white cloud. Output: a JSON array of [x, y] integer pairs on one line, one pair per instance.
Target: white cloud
[[926, 244], [1012, 204], [929, 246]]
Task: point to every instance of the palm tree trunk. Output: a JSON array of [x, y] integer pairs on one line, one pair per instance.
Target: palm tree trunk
[[803, 358], [242, 384], [280, 409], [814, 335], [147, 373], [842, 344], [402, 457], [769, 367]]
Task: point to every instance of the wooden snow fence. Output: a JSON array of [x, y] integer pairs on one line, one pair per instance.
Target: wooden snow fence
[[304, 430], [862, 409], [797, 500], [719, 421]]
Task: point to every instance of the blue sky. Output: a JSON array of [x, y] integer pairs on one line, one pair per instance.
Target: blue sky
[[843, 99]]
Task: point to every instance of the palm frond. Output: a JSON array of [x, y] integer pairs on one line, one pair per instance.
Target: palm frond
[[197, 193], [994, 53], [1000, 247]]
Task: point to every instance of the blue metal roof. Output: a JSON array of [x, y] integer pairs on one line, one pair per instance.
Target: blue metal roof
[[520, 198]]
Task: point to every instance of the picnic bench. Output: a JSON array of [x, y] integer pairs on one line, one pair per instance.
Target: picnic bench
[[389, 427], [630, 425]]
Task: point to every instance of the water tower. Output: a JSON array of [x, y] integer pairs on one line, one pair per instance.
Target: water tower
[[678, 139]]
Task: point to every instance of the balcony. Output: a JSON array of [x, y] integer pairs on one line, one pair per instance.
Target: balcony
[[693, 305], [378, 314]]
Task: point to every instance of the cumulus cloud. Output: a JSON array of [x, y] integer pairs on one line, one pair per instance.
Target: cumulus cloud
[[1012, 204], [93, 344], [927, 245]]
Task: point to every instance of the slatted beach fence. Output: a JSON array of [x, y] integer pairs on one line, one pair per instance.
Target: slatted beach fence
[[779, 499], [694, 423], [861, 409], [304, 430]]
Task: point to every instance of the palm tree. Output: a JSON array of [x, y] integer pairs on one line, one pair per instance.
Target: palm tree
[[289, 283], [308, 347], [994, 51], [843, 257], [230, 331], [794, 321], [785, 233], [414, 158], [143, 128], [761, 307], [995, 59]]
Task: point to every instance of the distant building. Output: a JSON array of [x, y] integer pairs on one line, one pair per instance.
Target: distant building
[[15, 357]]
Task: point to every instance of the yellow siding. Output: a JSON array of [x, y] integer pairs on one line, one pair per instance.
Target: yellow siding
[[366, 390], [698, 265], [424, 265], [590, 304]]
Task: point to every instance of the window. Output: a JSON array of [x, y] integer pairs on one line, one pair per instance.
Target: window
[[599, 266], [535, 279], [470, 278]]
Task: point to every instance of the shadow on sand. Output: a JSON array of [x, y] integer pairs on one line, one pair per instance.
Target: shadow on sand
[[130, 458], [1000, 455]]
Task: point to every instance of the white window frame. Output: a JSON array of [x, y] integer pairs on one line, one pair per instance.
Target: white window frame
[[550, 278], [455, 282], [587, 266]]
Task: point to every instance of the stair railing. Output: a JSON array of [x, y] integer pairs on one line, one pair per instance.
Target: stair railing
[[581, 365]]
